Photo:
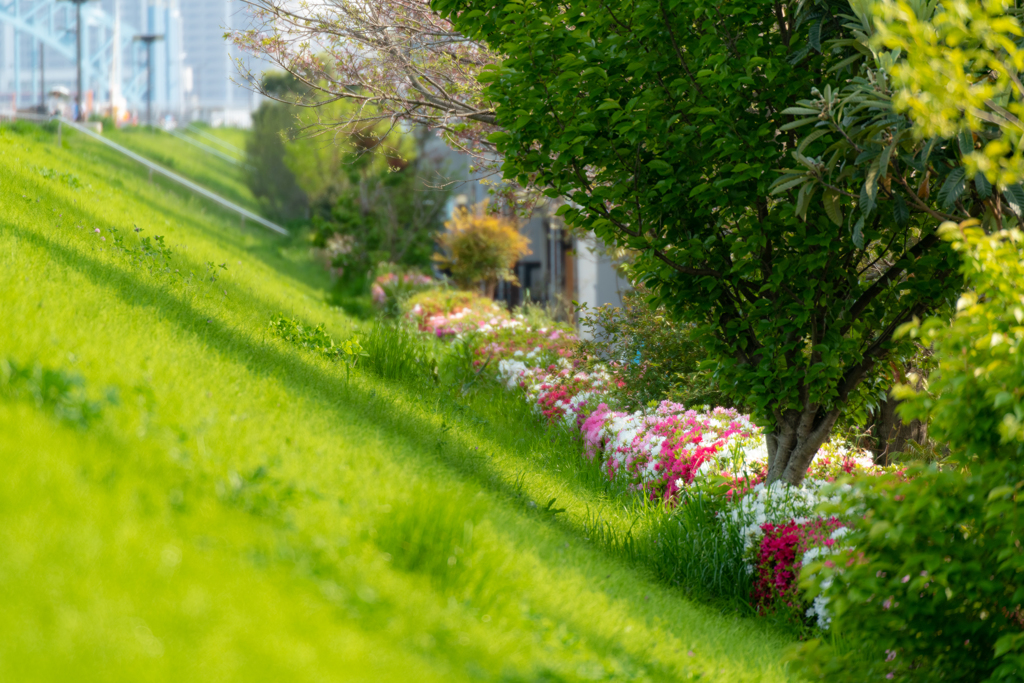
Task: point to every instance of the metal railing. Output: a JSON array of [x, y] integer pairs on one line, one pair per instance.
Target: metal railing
[[153, 167], [206, 148], [214, 139]]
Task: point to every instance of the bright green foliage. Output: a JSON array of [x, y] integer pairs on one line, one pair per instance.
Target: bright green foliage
[[975, 399], [664, 124], [315, 339], [246, 513], [960, 72], [934, 590]]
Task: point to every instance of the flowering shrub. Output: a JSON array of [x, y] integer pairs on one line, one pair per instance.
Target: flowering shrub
[[781, 554], [665, 449], [391, 288], [493, 333]]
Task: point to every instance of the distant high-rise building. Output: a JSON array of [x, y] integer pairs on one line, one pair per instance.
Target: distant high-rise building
[[218, 92], [160, 17]]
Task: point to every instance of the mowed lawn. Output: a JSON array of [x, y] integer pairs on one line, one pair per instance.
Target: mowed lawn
[[216, 504]]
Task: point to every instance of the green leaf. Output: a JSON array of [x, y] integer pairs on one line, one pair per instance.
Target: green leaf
[[782, 184], [1014, 196], [999, 492], [801, 111], [799, 122], [883, 160], [811, 137], [965, 140], [858, 233], [956, 183], [982, 185], [660, 166], [803, 199], [609, 104], [814, 36], [832, 207], [845, 62], [900, 211], [869, 192], [928, 148]]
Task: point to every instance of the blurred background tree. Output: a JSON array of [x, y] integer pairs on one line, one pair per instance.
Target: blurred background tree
[[367, 194]]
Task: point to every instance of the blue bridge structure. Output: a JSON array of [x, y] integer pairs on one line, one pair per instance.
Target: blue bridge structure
[[38, 52]]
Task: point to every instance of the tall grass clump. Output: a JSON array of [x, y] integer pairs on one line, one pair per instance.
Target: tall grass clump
[[699, 549], [449, 542], [396, 353], [694, 546]]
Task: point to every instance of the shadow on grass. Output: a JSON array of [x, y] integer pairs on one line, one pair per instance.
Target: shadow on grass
[[179, 205], [418, 435]]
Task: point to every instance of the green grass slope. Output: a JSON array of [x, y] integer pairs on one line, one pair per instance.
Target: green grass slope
[[235, 138], [209, 170], [187, 497]]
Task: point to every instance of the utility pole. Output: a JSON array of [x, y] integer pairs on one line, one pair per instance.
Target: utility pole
[[42, 81], [149, 39], [78, 55]]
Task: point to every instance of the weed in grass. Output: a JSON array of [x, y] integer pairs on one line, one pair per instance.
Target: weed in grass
[[58, 391], [317, 340], [69, 179], [151, 253]]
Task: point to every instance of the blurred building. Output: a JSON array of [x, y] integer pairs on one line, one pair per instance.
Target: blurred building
[[217, 92]]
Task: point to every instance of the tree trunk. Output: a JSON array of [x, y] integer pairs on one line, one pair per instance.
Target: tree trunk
[[795, 441], [892, 433]]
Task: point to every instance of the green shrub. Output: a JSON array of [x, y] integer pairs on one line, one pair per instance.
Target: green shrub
[[655, 356], [933, 589], [445, 300]]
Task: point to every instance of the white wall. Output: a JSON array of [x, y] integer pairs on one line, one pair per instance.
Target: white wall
[[597, 282]]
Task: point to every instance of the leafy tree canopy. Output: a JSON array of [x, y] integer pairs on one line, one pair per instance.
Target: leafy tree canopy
[[961, 74], [665, 123]]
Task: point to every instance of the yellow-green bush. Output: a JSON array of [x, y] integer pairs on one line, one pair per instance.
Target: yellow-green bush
[[481, 248]]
